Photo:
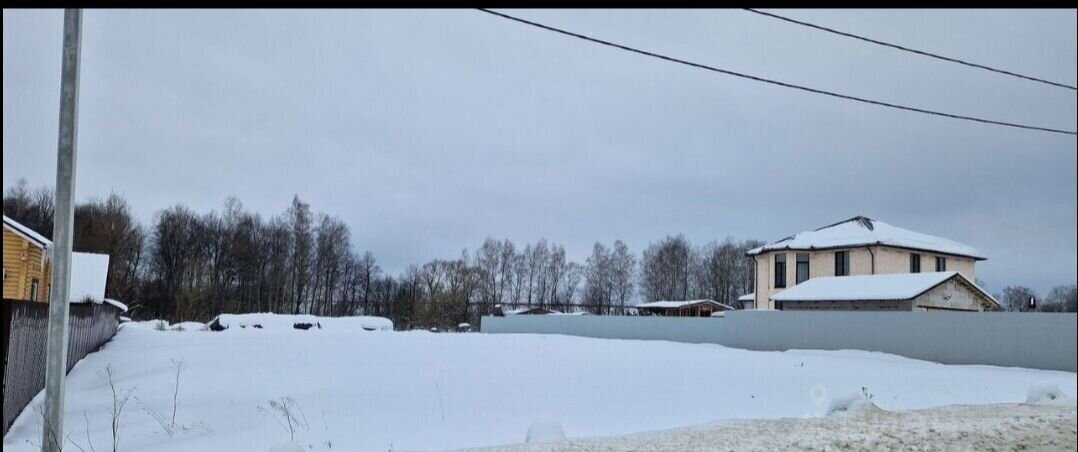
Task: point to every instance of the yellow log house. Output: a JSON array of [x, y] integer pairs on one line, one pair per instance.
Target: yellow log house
[[27, 263]]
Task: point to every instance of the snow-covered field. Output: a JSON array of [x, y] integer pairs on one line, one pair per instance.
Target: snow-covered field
[[359, 390]]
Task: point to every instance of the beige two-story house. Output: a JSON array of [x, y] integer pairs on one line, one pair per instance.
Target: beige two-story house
[[865, 248]]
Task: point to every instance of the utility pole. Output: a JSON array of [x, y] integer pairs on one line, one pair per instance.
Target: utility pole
[[52, 437]]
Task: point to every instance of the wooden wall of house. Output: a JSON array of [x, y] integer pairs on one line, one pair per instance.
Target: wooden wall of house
[[24, 262]]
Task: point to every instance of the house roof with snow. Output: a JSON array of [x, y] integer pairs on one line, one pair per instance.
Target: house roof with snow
[[680, 304], [864, 231], [122, 307], [747, 297], [26, 233], [533, 310], [888, 287]]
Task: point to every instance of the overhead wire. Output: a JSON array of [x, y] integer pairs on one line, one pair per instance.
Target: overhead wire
[[777, 82], [911, 50]]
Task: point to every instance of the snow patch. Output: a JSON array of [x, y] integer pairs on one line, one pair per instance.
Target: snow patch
[[122, 307], [1045, 393], [850, 403], [188, 326], [544, 431], [286, 447]]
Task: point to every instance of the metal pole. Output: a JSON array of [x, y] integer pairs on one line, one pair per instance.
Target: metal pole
[[56, 359]]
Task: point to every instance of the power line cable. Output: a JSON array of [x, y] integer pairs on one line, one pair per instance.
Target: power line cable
[[776, 82], [914, 51]]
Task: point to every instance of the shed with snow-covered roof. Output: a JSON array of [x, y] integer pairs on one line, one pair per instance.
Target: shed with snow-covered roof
[[683, 308], [526, 310], [747, 301]]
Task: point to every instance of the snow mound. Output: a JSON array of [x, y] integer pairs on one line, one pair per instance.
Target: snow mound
[[286, 447], [849, 404], [543, 431], [300, 321], [188, 326], [1045, 393]]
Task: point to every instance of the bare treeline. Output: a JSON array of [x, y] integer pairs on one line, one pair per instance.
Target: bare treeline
[[675, 270], [191, 266]]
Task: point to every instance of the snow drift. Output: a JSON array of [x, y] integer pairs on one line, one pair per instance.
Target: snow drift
[[300, 321]]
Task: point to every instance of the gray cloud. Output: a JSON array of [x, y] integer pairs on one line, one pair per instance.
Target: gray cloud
[[428, 130]]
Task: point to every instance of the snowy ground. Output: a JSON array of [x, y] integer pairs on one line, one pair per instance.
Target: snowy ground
[[1000, 427], [377, 390]]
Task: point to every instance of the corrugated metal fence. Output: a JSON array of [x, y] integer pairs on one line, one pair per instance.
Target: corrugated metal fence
[[1035, 340], [25, 324]]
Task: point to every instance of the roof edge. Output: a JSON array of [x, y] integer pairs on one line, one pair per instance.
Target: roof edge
[[954, 274], [20, 230], [687, 303], [762, 250]]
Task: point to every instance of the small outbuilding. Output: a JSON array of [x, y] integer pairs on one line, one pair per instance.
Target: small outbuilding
[[527, 310], [532, 311], [684, 308], [936, 291], [748, 301]]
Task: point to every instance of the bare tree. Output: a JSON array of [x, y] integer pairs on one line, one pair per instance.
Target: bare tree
[[569, 288], [622, 276], [299, 215], [1016, 298], [598, 280], [488, 263], [667, 270], [368, 271], [1061, 299]]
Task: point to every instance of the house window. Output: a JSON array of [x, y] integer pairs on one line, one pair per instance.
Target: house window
[[802, 267], [780, 270], [915, 263], [941, 264], [842, 263], [33, 290]]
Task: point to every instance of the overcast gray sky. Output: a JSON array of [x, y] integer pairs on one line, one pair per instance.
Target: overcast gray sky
[[427, 131]]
